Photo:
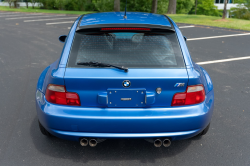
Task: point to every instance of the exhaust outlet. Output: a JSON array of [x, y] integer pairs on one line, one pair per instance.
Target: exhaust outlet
[[84, 142], [157, 143], [166, 142], [92, 142]]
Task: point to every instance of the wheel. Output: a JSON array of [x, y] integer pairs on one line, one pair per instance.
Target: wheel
[[43, 130], [204, 132]]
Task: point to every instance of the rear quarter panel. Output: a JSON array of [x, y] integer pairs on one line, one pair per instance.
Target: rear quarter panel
[[198, 75], [51, 75]]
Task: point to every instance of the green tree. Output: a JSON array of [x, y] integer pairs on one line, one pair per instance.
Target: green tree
[[48, 4], [162, 7], [9, 2], [206, 7], [225, 9], [117, 5], [172, 7], [137, 5], [154, 6], [27, 3], [245, 3], [59, 4], [104, 5], [145, 6], [242, 11], [184, 6], [33, 3]]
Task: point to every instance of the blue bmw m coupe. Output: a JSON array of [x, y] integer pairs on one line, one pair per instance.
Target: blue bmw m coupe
[[124, 77]]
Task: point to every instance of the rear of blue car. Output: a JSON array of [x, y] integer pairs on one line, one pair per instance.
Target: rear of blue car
[[161, 97]]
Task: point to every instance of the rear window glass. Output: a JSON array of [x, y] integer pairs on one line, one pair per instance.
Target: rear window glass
[[128, 49]]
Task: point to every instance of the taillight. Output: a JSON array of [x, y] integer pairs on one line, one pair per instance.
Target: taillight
[[193, 95], [57, 94]]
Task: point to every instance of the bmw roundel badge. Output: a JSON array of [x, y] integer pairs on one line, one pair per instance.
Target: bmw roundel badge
[[126, 83]]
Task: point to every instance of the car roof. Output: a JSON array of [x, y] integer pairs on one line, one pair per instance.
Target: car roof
[[117, 18]]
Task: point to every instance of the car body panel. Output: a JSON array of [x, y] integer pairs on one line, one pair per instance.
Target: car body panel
[[93, 119], [89, 82], [125, 122], [208, 81]]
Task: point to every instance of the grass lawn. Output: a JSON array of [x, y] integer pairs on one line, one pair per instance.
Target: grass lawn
[[212, 21], [37, 10]]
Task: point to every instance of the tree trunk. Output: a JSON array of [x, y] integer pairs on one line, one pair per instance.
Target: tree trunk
[[27, 4], [10, 4], [172, 7], [225, 9], [154, 6], [195, 6], [117, 5], [15, 4]]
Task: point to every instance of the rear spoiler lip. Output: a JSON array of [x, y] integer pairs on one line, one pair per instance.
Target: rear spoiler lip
[[152, 26]]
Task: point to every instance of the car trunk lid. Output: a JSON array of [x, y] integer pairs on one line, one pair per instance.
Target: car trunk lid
[[104, 87]]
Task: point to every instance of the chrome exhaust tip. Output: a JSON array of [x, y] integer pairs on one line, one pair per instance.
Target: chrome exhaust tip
[[92, 142], [84, 142], [166, 142], [157, 143]]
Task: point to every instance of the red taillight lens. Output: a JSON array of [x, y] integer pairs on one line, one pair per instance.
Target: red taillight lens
[[58, 95], [193, 95], [125, 29]]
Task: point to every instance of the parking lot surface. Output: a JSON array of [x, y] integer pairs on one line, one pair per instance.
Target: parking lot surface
[[29, 43]]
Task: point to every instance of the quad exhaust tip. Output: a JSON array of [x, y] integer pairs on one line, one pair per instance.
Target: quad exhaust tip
[[92, 142], [157, 143], [166, 142], [84, 142]]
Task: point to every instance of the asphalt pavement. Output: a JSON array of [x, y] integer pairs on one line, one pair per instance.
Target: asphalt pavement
[[28, 47]]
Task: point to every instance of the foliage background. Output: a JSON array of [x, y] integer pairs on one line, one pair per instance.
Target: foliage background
[[184, 6], [204, 7], [242, 11]]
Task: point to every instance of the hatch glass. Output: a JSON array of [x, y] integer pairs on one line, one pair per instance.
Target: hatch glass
[[129, 49]]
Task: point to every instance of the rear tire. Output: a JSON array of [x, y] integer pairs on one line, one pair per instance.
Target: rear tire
[[204, 132], [43, 130]]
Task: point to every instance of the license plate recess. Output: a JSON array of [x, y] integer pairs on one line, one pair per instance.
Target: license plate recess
[[126, 97]]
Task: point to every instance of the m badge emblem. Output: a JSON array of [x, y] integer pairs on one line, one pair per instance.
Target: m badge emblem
[[179, 85]]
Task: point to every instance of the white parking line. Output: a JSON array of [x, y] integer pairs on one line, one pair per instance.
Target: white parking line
[[213, 37], [20, 15], [223, 60], [187, 27], [50, 19], [16, 18], [53, 23]]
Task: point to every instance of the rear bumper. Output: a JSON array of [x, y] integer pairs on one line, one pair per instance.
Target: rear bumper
[[75, 136], [73, 123]]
